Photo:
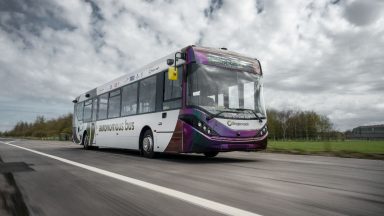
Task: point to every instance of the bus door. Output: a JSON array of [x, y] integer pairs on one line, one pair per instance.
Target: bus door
[[171, 105]]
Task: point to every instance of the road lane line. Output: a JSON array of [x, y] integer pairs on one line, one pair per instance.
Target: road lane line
[[208, 204]]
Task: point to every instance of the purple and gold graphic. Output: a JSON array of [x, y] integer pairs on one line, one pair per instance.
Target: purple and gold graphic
[[175, 145]]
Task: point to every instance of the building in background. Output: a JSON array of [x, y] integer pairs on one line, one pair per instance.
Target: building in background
[[371, 132]]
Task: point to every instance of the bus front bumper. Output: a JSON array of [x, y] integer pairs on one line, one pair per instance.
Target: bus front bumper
[[198, 142]]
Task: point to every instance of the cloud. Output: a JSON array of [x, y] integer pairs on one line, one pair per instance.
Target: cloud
[[362, 13], [317, 55]]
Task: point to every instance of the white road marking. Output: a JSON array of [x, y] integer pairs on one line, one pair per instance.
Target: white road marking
[[212, 205]]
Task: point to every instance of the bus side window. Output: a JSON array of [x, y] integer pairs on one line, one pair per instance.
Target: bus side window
[[87, 110], [172, 91], [114, 104], [129, 100], [102, 107], [147, 95], [79, 111]]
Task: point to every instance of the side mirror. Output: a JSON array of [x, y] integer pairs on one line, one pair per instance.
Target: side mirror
[[172, 73], [170, 62]]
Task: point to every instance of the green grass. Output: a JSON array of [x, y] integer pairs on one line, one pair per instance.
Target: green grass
[[351, 148]]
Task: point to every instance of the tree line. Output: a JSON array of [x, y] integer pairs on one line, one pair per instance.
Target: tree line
[[300, 125], [60, 127], [282, 125]]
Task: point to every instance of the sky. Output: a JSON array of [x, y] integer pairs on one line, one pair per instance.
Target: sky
[[320, 55]]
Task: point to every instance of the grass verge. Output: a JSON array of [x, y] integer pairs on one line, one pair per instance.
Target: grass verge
[[349, 148]]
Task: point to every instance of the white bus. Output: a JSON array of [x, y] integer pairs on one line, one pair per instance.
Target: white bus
[[196, 100]]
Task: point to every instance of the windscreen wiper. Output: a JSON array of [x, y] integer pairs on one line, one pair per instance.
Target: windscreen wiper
[[253, 111]]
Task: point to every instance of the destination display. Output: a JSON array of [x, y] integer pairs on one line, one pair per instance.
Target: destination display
[[230, 61]]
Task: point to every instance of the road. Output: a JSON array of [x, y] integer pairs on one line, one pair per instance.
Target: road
[[259, 183]]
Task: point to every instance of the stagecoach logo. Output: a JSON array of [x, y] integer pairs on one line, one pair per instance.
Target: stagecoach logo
[[230, 123]]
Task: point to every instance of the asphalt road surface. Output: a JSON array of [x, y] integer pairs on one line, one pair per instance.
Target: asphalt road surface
[[60, 178]]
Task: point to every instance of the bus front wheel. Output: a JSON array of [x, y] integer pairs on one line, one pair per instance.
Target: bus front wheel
[[147, 145]]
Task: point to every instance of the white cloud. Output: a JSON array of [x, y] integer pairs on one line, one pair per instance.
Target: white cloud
[[317, 55]]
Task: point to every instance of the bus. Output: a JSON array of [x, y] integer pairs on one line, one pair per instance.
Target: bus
[[195, 100]]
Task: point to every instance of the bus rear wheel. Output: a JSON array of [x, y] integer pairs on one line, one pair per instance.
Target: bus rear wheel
[[210, 154], [147, 144], [86, 145]]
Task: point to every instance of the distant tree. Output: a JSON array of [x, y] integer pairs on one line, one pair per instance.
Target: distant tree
[[283, 117], [324, 127], [273, 124]]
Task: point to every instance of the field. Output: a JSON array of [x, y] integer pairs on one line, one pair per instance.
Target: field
[[350, 148]]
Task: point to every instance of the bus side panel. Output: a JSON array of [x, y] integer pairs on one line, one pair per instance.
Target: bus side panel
[[165, 131], [119, 132], [125, 132]]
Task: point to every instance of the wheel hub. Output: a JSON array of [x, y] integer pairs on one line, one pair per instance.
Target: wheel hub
[[147, 143]]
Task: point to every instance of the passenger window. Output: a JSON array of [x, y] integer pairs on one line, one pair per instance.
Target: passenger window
[[129, 100], [102, 108], [114, 104], [147, 95], [79, 111], [88, 111]]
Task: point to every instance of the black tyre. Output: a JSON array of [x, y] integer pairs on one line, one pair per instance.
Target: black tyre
[[211, 154], [86, 142], [147, 144]]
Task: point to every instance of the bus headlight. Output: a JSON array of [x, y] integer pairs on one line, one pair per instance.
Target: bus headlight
[[263, 131], [198, 124], [205, 129]]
